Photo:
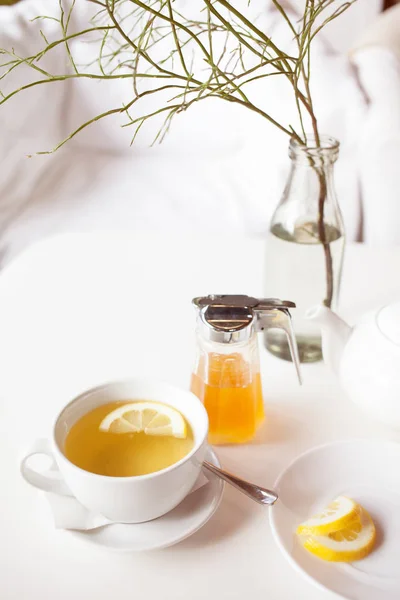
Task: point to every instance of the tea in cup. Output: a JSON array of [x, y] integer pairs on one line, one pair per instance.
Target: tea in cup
[[123, 439], [130, 451]]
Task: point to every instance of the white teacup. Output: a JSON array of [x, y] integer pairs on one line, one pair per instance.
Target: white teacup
[[123, 499]]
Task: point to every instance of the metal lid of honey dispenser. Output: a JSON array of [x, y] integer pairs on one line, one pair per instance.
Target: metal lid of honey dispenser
[[230, 318]]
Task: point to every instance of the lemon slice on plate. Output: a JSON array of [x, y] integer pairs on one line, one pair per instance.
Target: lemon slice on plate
[[153, 418], [353, 542], [335, 516]]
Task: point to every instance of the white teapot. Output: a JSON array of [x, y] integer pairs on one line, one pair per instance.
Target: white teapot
[[366, 358]]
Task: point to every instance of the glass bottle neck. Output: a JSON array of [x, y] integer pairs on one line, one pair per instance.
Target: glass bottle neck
[[314, 154], [308, 211]]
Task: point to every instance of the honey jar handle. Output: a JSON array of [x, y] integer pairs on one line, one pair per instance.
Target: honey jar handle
[[280, 318]]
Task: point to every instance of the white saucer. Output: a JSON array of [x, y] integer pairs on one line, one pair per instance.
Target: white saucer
[[369, 472], [180, 523]]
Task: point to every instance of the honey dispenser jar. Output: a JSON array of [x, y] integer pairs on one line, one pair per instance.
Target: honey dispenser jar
[[226, 376]]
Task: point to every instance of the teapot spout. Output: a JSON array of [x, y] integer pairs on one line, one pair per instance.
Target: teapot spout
[[335, 334]]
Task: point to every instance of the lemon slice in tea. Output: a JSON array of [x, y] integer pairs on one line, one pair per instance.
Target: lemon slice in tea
[[153, 418]]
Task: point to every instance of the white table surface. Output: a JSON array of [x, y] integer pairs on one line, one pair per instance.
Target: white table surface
[[81, 309]]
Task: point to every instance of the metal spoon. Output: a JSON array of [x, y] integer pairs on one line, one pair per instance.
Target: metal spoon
[[255, 492]]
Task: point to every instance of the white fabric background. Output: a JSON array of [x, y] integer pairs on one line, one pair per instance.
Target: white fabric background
[[220, 168]]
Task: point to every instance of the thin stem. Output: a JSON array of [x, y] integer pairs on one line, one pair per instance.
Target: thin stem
[[108, 113], [66, 38], [232, 30], [309, 15], [193, 36], [177, 43], [92, 76], [282, 55], [64, 26], [279, 7], [119, 110], [306, 76], [257, 110], [110, 11], [173, 23], [322, 237]]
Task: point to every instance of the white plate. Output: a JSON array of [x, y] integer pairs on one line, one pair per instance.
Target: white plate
[[187, 518], [369, 472]]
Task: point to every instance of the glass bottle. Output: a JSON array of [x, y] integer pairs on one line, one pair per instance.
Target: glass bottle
[[306, 244]]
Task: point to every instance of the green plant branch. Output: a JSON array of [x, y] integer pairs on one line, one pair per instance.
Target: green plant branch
[[285, 16], [113, 111], [244, 100], [233, 31], [257, 110], [64, 27], [30, 60], [221, 82], [59, 78], [141, 41], [177, 43], [176, 24], [137, 49], [269, 43], [299, 96], [231, 85], [322, 237], [99, 117], [21, 61]]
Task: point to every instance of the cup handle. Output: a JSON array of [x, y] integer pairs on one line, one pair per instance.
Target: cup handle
[[49, 481]]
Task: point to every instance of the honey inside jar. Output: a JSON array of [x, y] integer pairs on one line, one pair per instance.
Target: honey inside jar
[[230, 389]]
